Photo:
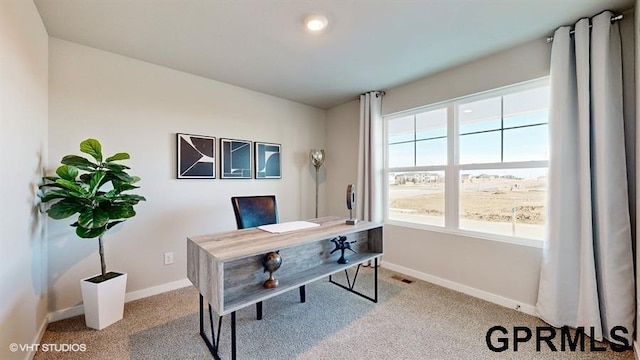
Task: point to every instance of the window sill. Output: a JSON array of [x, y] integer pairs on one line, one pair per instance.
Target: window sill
[[470, 234]]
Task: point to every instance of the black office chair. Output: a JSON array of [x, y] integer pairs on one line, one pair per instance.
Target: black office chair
[[253, 211]]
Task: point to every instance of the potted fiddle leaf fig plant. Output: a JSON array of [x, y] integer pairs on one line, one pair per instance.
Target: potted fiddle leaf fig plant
[[97, 191]]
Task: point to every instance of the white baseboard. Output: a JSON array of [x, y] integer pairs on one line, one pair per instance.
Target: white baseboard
[[38, 338], [155, 290], [484, 295], [140, 294], [636, 350], [66, 313]]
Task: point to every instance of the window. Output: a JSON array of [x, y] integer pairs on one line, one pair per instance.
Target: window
[[476, 164]]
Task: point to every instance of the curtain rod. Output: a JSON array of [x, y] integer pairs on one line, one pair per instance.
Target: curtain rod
[[613, 19], [378, 93]]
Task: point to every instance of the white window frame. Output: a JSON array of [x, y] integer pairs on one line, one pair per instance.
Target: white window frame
[[452, 169]]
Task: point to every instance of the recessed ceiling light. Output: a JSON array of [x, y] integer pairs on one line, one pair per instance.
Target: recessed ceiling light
[[467, 111], [315, 23]]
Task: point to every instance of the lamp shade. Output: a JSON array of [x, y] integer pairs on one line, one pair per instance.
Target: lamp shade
[[317, 157]]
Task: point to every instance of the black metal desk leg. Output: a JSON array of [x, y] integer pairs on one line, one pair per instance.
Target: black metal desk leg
[[375, 279], [201, 315], [259, 310], [212, 344], [351, 285], [233, 335]]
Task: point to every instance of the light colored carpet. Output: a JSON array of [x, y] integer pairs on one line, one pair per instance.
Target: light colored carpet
[[410, 321]]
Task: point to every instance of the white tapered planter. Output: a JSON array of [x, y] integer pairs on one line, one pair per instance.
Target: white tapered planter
[[104, 301]]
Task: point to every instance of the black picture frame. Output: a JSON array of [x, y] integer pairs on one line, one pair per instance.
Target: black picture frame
[[196, 156], [235, 159], [268, 160]]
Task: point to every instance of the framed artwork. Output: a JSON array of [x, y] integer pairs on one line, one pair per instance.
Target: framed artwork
[[235, 158], [268, 165], [196, 157]]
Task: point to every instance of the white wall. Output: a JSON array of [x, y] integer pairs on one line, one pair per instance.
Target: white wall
[[342, 155], [137, 107], [23, 153], [521, 63]]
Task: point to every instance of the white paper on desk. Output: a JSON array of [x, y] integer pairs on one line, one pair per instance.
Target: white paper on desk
[[287, 226]]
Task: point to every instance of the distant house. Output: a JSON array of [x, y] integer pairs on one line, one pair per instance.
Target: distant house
[[416, 178]]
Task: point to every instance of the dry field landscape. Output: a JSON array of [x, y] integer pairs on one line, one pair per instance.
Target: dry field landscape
[[491, 200]]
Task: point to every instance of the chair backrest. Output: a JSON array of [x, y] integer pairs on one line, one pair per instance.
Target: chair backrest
[[252, 211]]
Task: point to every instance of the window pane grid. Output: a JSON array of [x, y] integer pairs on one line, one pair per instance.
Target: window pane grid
[[412, 150], [432, 138], [402, 142], [501, 128], [498, 145], [524, 126]]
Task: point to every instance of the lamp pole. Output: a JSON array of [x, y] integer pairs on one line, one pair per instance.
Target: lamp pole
[[317, 170], [317, 157]]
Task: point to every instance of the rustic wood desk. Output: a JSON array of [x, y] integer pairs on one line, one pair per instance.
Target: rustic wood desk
[[226, 268]]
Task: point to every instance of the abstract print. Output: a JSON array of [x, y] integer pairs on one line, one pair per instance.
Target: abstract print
[[196, 157], [268, 164], [236, 159]]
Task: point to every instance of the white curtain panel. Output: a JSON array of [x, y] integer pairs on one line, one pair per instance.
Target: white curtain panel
[[370, 152], [587, 274]]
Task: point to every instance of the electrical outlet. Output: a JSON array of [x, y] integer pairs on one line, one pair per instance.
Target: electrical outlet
[[168, 258]]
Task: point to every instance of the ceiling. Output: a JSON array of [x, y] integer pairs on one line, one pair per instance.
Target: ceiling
[[261, 44]]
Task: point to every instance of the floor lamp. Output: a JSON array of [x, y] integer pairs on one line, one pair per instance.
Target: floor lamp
[[317, 159]]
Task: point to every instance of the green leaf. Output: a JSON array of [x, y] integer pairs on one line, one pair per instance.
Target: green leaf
[[118, 156], [71, 185], [86, 233], [114, 223], [79, 162], [67, 172], [86, 178], [122, 176], [132, 199], [134, 179], [119, 186], [93, 148], [126, 187], [64, 208], [50, 185], [102, 201], [69, 194], [93, 218], [96, 181], [113, 193], [116, 167], [108, 196], [54, 194], [111, 177], [78, 196], [120, 211]]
